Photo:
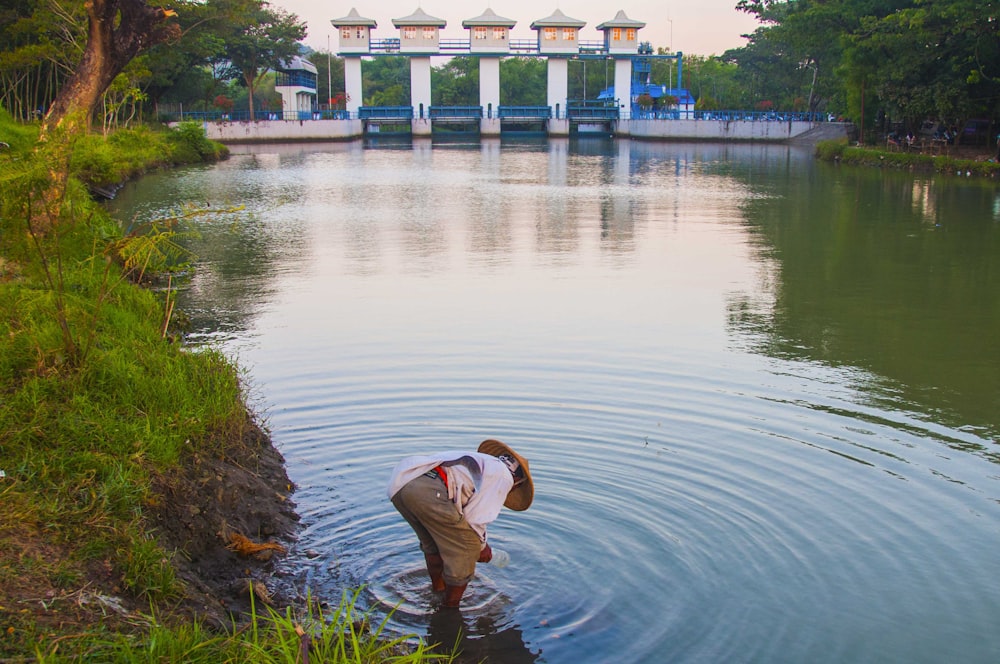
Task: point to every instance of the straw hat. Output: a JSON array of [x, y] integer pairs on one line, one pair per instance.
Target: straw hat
[[519, 498]]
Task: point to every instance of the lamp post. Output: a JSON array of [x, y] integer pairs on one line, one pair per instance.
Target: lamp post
[[329, 75], [670, 49]]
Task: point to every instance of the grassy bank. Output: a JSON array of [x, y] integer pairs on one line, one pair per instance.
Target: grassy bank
[[844, 153], [121, 451]]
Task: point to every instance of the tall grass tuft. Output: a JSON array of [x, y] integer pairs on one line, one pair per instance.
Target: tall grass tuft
[[344, 637]]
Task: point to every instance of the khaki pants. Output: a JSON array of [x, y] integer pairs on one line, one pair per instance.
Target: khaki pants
[[435, 519]]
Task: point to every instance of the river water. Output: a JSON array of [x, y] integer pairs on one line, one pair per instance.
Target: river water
[[760, 395]]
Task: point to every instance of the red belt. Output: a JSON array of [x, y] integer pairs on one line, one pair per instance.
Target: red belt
[[439, 471]]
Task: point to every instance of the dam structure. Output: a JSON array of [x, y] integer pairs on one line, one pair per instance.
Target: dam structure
[[558, 39]]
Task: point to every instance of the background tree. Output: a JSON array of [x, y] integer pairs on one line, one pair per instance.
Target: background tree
[[456, 83], [589, 77], [192, 68], [386, 81], [266, 38], [117, 30], [40, 44], [329, 75], [711, 79], [907, 59], [523, 82]]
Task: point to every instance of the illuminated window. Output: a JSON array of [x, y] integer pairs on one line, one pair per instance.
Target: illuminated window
[[479, 33], [550, 34], [499, 33], [345, 33], [616, 34], [430, 33], [409, 32], [630, 34], [569, 34]]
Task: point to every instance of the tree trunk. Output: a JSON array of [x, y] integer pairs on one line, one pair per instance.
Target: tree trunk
[[118, 30], [250, 79]]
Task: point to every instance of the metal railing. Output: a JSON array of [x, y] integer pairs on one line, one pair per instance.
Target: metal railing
[[524, 45], [525, 112], [592, 110], [729, 116], [515, 46], [593, 47], [456, 112], [575, 110], [385, 113], [259, 116], [302, 80], [390, 45], [454, 44]]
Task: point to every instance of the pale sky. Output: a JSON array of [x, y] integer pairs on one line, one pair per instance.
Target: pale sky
[[699, 27]]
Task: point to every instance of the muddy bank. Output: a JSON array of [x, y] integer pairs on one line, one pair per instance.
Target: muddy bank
[[204, 503]]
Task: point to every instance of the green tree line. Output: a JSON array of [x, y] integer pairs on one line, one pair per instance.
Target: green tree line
[[219, 47], [875, 62]]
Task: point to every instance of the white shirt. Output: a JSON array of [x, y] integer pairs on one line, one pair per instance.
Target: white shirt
[[477, 483]]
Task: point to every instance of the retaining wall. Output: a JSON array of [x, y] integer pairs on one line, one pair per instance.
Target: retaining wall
[[718, 130], [275, 131]]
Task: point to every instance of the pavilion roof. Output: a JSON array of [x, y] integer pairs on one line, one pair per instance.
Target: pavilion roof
[[353, 18]]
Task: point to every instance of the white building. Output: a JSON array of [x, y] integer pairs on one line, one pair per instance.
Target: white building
[[296, 83]]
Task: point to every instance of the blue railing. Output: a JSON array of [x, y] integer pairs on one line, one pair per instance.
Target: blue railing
[[592, 110], [386, 45], [244, 116], [729, 116], [525, 112], [385, 113], [300, 79], [456, 112], [454, 44], [522, 46], [589, 110]]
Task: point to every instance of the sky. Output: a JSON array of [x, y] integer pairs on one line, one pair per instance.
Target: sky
[[699, 27]]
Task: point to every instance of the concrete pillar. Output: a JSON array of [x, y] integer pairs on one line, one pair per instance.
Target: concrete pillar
[[623, 87], [489, 96], [420, 86], [352, 84], [489, 85], [558, 84]]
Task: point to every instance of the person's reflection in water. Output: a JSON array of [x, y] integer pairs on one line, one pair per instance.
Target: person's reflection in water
[[479, 640]]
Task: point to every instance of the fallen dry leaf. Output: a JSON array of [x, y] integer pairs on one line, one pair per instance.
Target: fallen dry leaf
[[244, 546]]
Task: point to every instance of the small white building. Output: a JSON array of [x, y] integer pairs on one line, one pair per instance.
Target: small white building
[[621, 34], [419, 32], [296, 83], [355, 32], [558, 34], [489, 33]]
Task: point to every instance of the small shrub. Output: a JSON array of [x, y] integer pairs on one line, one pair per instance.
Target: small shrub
[[189, 144], [831, 150]]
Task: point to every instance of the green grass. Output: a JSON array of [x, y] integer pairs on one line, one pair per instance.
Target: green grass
[[97, 400], [343, 636], [109, 161], [840, 151]]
